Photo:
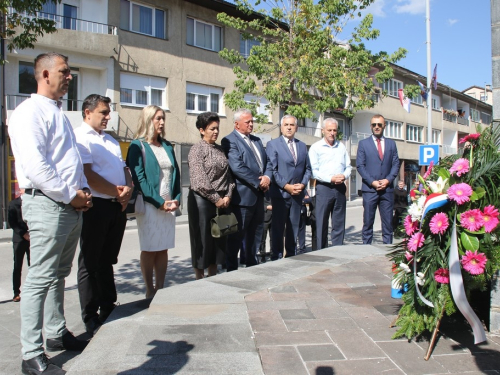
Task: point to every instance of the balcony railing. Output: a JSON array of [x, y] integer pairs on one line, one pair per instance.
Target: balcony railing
[[449, 150], [68, 104], [463, 121], [309, 131], [64, 22], [450, 118], [356, 137]]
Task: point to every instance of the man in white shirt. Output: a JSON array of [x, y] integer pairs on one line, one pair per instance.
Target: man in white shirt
[[49, 168], [104, 225], [331, 166]]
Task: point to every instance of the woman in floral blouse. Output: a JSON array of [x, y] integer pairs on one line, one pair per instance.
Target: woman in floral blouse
[[211, 188]]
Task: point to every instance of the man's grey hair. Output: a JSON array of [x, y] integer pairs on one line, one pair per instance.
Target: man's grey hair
[[288, 116], [329, 120], [242, 111]]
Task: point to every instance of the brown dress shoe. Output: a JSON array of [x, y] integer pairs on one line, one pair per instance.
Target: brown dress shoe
[[17, 298]]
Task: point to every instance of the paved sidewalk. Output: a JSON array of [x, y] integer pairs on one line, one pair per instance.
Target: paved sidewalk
[[326, 312]]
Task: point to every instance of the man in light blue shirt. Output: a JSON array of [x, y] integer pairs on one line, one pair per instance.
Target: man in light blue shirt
[[331, 166]]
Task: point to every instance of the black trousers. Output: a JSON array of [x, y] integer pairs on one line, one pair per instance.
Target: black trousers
[[100, 242], [20, 248]]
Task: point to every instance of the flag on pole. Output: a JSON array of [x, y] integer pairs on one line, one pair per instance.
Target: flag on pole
[[435, 78], [423, 90], [405, 102]]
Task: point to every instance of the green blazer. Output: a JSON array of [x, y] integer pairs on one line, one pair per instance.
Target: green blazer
[[147, 177]]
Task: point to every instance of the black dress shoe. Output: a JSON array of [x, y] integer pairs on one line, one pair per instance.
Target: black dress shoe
[[105, 312], [92, 326], [66, 342], [40, 365]]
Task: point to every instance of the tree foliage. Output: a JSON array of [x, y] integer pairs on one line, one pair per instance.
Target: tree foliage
[[19, 27], [299, 62]]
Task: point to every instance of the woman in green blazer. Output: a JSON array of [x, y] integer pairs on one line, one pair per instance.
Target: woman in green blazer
[[156, 174]]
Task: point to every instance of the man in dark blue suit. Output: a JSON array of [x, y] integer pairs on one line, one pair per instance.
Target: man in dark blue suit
[[377, 162], [248, 162], [291, 170]]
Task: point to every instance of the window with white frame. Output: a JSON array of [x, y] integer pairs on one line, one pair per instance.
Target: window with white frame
[[138, 90], [392, 86], [485, 118], [261, 107], [436, 137], [204, 35], [143, 19], [483, 97], [414, 133], [393, 129], [418, 100], [201, 98], [474, 115], [436, 102], [246, 45]]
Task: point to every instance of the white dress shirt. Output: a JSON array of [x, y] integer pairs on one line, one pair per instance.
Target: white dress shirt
[[328, 161], [45, 149], [104, 153]]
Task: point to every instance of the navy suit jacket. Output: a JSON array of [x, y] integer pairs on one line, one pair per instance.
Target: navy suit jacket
[[284, 169], [245, 167], [371, 168]]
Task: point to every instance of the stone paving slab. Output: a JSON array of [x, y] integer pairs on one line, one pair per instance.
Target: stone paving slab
[[321, 313]]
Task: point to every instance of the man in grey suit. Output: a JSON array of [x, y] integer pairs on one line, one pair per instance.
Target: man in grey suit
[[377, 162], [248, 162], [291, 170]]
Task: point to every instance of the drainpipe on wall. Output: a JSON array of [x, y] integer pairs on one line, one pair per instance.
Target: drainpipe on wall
[[3, 110]]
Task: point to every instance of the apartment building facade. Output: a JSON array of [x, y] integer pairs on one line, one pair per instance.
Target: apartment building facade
[[166, 53]]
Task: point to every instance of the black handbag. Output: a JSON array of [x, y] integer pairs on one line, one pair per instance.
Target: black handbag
[[223, 225]]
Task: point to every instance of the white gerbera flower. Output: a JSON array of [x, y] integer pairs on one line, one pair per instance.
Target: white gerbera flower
[[404, 267], [420, 279]]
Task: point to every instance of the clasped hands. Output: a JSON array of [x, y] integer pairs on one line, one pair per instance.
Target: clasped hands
[[223, 202], [169, 206], [82, 200], [338, 179], [294, 189], [124, 195], [380, 184], [264, 183]]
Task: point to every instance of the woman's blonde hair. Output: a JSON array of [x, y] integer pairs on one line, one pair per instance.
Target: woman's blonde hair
[[146, 128]]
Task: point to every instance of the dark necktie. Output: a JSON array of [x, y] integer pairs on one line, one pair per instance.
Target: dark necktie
[[290, 145], [379, 148]]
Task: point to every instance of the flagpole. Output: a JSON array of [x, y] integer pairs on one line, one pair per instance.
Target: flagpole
[[429, 75]]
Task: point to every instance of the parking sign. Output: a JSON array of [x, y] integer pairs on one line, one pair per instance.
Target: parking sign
[[428, 153]]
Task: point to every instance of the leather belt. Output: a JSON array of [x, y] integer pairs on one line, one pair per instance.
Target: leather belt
[[34, 192], [328, 184]]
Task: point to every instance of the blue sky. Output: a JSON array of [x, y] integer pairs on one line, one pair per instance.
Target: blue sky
[[460, 37]]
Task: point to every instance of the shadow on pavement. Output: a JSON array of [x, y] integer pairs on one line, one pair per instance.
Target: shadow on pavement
[[167, 357]]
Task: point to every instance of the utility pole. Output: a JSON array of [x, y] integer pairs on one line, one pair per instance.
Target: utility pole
[[429, 72]]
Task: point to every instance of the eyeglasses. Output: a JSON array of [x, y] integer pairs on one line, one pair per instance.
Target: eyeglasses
[[377, 124]]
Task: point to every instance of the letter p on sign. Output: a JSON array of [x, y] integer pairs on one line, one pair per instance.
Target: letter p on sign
[[428, 153]]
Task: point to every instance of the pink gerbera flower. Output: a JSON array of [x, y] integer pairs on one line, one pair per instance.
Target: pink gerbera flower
[[473, 262], [490, 218], [472, 220], [461, 166], [460, 193], [416, 241], [439, 223], [410, 226], [408, 256], [442, 276], [429, 170]]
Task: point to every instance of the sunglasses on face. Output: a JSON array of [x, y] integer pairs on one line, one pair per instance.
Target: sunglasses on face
[[377, 124]]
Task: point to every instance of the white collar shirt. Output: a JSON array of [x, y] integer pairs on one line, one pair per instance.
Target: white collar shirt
[[382, 143], [328, 161], [45, 149], [103, 152], [293, 145]]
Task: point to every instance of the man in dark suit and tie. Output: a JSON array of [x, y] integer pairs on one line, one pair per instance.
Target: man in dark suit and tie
[[377, 162], [248, 162], [291, 170]]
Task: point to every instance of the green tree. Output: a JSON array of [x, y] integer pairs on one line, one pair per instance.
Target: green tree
[[299, 62], [18, 26]]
